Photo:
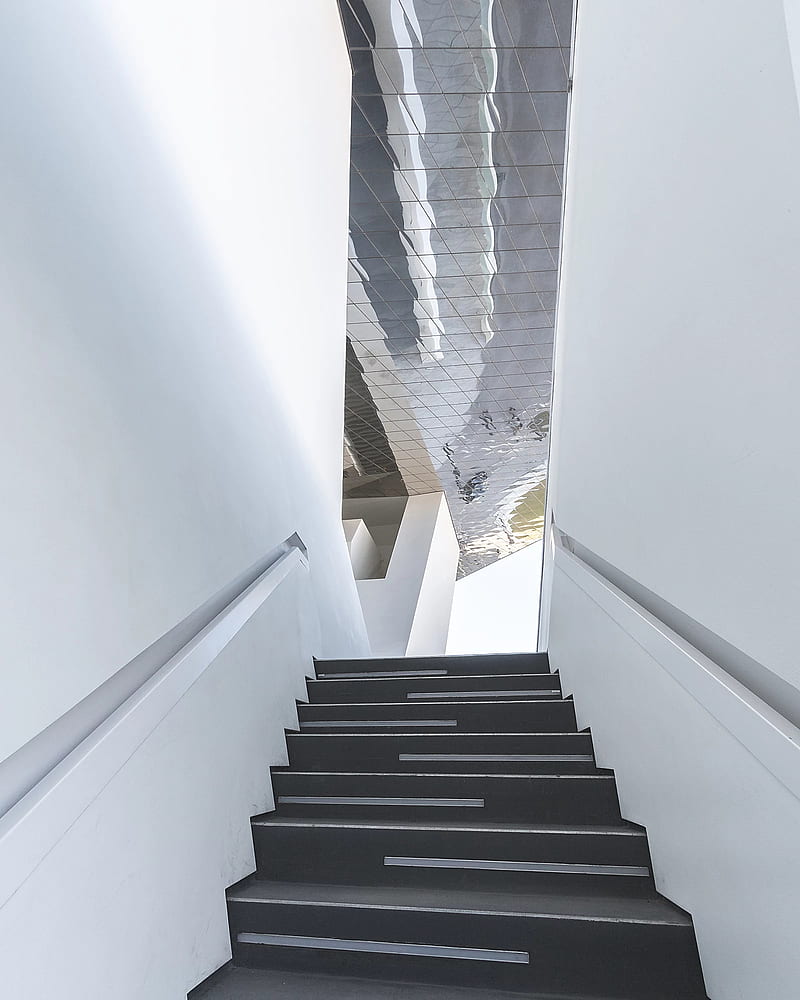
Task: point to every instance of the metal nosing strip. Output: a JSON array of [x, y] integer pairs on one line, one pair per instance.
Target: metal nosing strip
[[358, 674], [377, 800], [319, 823], [445, 695], [385, 947], [341, 724], [552, 867], [500, 757]]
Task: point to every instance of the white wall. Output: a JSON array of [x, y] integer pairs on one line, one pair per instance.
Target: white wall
[[382, 516], [408, 611], [674, 436], [434, 604], [130, 901], [173, 233], [496, 610], [676, 401], [365, 557], [705, 769]]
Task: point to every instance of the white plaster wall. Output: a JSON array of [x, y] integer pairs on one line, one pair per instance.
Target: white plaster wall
[[382, 516], [722, 828], [434, 605], [365, 557], [173, 234], [496, 609], [408, 611], [676, 402], [674, 436], [130, 903]]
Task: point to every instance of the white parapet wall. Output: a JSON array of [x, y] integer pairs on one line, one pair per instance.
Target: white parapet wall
[[365, 556], [710, 769], [407, 612], [118, 859], [675, 421]]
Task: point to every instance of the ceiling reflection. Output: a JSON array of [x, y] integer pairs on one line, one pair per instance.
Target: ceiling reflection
[[458, 125]]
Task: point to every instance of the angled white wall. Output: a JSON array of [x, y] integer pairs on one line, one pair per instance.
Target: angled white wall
[[674, 440], [407, 612], [173, 233], [365, 556]]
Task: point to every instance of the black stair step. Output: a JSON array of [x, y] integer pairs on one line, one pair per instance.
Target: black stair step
[[232, 983], [485, 858], [556, 716], [507, 753], [578, 799], [476, 686], [603, 945], [478, 855], [436, 666]]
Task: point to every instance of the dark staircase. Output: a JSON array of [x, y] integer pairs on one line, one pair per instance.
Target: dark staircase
[[442, 833]]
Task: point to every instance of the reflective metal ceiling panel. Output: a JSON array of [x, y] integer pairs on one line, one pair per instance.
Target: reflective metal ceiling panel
[[458, 132]]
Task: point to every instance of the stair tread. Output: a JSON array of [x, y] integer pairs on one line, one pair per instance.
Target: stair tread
[[461, 826], [461, 678], [441, 701], [232, 983], [616, 909], [283, 770], [460, 734], [434, 657]]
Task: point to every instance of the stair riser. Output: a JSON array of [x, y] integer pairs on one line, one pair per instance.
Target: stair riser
[[359, 857], [353, 848], [590, 800], [455, 666], [318, 762], [390, 753], [566, 956], [331, 691], [480, 717]]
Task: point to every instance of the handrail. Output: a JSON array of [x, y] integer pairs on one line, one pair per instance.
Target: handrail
[[771, 737], [91, 743]]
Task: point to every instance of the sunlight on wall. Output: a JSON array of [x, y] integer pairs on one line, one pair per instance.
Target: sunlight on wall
[[496, 609]]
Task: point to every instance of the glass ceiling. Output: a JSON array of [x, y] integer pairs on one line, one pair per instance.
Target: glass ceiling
[[458, 133]]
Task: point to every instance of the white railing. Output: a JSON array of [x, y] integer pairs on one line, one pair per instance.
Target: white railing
[[48, 783]]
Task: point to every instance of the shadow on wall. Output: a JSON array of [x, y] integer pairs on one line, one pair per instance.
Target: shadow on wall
[[496, 610]]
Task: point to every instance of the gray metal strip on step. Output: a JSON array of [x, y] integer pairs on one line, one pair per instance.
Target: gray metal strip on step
[[480, 694], [385, 947], [376, 800], [498, 757], [356, 675], [341, 724], [553, 867]]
